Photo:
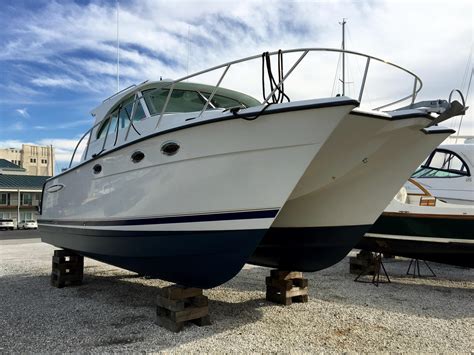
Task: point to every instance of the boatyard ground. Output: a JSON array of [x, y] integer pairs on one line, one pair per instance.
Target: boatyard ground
[[114, 310]]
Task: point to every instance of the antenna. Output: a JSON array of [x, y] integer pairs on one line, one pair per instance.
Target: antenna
[[343, 23], [118, 48], [187, 61]]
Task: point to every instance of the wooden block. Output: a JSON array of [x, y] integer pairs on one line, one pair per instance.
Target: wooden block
[[300, 282], [172, 305], [199, 301], [190, 313], [286, 275], [300, 299], [277, 283], [206, 320], [365, 255], [169, 324], [278, 298], [177, 292], [297, 291]]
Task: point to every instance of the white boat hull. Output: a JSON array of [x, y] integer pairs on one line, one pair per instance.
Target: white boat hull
[[344, 190], [204, 209]]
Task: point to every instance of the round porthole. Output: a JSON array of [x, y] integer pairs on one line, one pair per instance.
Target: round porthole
[[170, 148], [97, 168], [137, 156]]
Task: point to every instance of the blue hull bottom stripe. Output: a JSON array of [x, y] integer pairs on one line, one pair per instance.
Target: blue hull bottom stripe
[[306, 249], [225, 216], [201, 259]]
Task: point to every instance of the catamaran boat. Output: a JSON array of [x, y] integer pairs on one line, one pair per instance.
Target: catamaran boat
[[181, 180], [447, 174], [421, 226]]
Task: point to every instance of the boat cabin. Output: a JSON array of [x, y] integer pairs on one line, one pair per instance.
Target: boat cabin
[[135, 111]]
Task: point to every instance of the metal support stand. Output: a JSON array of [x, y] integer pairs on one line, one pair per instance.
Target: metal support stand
[[67, 268], [286, 287], [375, 267], [177, 305], [416, 268]]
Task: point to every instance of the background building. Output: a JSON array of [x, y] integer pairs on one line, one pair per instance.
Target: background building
[[20, 194], [36, 160]]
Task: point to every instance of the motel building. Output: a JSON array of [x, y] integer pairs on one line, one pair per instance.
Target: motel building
[[20, 194]]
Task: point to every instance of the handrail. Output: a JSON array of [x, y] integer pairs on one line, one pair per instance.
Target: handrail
[[418, 84]]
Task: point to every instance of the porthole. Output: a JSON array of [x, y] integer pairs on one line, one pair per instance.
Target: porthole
[[137, 156], [170, 148], [97, 168]]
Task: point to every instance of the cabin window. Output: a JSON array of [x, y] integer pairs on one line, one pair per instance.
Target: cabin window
[[442, 163], [139, 112], [110, 121], [180, 100], [125, 113], [223, 101]]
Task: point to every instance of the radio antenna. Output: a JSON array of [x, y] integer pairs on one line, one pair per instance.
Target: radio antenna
[[118, 48]]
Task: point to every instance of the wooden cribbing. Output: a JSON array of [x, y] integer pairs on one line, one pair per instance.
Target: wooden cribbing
[[67, 268], [286, 287], [176, 305]]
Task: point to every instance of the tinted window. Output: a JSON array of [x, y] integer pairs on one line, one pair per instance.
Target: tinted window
[[139, 112], [223, 101], [442, 163], [180, 100]]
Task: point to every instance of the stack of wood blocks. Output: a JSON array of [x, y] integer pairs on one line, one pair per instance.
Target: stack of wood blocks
[[286, 287], [363, 263], [176, 305], [68, 268]]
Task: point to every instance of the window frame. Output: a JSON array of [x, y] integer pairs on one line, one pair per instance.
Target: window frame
[[426, 165]]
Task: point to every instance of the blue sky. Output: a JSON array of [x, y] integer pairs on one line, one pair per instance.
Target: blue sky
[[58, 58]]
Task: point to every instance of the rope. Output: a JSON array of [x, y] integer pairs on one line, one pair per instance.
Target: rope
[[278, 92]]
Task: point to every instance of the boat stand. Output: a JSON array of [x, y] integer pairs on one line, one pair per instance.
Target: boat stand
[[67, 268], [286, 287], [416, 268], [177, 305], [374, 268]]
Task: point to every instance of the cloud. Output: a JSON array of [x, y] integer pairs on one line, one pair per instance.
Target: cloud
[[69, 48], [62, 82], [23, 112]]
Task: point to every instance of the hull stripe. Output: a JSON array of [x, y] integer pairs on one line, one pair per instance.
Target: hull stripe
[[418, 238], [226, 216]]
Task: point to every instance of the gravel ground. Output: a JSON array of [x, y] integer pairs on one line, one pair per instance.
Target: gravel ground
[[114, 311]]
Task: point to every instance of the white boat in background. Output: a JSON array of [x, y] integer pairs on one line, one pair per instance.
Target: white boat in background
[[447, 174], [181, 180], [419, 225]]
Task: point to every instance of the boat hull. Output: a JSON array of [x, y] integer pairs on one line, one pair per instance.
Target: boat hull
[[201, 259], [306, 249], [346, 187], [433, 238], [209, 204]]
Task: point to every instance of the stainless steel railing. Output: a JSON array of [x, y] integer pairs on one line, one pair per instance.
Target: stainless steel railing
[[417, 84]]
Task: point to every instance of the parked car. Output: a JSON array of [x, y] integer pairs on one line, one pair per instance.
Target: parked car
[[28, 224], [6, 224]]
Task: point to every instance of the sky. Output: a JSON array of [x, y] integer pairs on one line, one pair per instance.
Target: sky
[[58, 59]]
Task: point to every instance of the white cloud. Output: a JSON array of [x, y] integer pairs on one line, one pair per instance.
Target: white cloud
[[63, 36], [23, 112]]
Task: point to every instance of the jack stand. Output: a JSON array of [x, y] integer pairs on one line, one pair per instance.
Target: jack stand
[[177, 305], [68, 268], [286, 287], [376, 266], [416, 268]]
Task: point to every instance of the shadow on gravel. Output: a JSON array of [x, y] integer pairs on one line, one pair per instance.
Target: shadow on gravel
[[444, 296], [106, 313]]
